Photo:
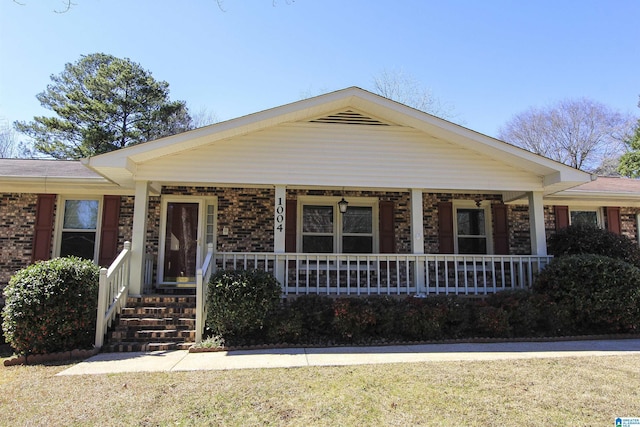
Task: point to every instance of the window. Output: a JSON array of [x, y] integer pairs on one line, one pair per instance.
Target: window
[[472, 229], [325, 230], [357, 230], [78, 235], [587, 216], [317, 229]]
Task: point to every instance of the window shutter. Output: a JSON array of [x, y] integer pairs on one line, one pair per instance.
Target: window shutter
[[445, 227], [43, 229], [614, 223], [109, 233], [562, 217], [387, 227], [500, 229], [290, 226]]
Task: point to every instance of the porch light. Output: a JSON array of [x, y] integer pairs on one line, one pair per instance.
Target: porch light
[[343, 205]]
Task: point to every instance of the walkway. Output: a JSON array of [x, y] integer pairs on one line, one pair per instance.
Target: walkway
[[182, 360]]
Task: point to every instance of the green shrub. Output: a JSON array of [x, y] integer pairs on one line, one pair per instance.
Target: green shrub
[[492, 322], [239, 302], [285, 325], [588, 239], [423, 319], [389, 317], [592, 294], [51, 306], [525, 311], [354, 319], [315, 314]]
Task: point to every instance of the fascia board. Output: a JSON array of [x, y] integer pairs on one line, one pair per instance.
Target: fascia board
[[61, 186]]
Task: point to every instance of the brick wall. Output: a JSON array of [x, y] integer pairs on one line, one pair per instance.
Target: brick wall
[[17, 219], [628, 218]]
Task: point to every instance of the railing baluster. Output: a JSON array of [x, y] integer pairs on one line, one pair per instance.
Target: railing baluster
[[379, 274]]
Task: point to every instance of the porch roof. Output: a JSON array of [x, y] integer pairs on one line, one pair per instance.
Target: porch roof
[[53, 176], [604, 191]]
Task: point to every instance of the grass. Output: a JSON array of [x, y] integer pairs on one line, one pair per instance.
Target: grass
[[589, 391]]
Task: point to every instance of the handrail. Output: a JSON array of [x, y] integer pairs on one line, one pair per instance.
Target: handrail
[[202, 279], [112, 292], [391, 274]]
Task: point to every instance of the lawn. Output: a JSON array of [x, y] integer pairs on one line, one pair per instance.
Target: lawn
[[589, 391]]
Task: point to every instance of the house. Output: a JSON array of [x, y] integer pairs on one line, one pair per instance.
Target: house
[[347, 193]]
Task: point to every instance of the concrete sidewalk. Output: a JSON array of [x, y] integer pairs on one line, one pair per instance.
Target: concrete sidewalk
[[182, 360]]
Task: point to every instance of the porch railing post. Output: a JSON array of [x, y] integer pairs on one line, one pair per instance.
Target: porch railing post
[[417, 239], [102, 308], [202, 279]]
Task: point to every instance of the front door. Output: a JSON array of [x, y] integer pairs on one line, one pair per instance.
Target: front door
[[180, 247]]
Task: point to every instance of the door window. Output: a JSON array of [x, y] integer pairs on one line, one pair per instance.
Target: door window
[[181, 242]]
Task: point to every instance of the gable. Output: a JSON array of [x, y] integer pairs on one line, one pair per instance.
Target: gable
[[329, 153], [345, 138]]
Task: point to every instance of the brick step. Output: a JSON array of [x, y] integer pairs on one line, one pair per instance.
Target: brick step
[[145, 346], [158, 311], [153, 335], [162, 300], [156, 323]]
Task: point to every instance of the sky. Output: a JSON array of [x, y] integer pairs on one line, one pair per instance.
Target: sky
[[487, 59]]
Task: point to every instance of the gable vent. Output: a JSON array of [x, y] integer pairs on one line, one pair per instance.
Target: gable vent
[[349, 117]]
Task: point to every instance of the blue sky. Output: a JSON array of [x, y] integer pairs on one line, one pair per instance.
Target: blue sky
[[488, 59]]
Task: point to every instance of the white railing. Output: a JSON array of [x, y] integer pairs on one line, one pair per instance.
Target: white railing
[[372, 274], [112, 293], [202, 278], [147, 285]]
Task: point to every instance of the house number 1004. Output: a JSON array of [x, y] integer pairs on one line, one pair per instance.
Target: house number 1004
[[280, 215]]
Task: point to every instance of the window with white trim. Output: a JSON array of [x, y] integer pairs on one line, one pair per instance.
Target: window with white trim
[[586, 216], [472, 229], [78, 229], [324, 229]]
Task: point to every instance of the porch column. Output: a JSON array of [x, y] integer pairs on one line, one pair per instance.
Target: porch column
[[536, 223], [417, 237], [138, 238], [279, 230]]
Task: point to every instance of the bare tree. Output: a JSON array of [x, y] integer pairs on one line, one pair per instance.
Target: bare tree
[[581, 133], [203, 117], [8, 144], [404, 88]]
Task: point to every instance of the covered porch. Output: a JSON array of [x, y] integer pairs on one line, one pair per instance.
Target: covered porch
[[433, 208]]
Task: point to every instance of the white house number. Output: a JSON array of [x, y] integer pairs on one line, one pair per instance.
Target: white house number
[[280, 215]]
